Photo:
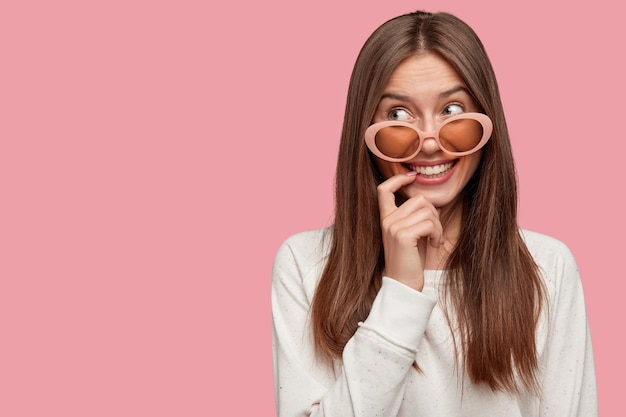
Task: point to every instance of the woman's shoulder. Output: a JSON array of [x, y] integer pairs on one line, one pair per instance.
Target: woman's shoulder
[[539, 243], [310, 243], [304, 253], [540, 240], [309, 237], [552, 255]]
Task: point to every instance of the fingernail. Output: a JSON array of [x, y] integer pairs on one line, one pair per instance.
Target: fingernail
[[411, 174]]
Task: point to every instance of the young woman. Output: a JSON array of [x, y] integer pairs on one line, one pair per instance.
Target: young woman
[[425, 298]]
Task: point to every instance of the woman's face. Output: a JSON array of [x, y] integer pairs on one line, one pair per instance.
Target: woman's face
[[424, 90]]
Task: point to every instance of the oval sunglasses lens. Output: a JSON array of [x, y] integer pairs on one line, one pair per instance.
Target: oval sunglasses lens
[[397, 141], [461, 135]]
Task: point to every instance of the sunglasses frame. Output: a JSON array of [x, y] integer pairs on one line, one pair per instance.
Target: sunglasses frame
[[483, 119]]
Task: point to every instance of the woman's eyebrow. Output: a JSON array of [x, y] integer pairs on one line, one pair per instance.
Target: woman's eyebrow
[[395, 96], [444, 94], [451, 91]]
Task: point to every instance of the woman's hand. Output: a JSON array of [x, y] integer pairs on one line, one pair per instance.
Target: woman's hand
[[406, 231]]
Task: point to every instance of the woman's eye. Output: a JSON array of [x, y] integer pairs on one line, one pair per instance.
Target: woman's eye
[[399, 115], [453, 109]]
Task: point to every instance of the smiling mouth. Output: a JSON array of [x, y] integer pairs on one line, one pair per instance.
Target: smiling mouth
[[432, 171]]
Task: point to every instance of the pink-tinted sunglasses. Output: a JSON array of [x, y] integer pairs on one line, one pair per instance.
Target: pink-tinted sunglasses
[[459, 135]]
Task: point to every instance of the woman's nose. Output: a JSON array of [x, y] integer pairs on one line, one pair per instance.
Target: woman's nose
[[429, 144], [428, 130]]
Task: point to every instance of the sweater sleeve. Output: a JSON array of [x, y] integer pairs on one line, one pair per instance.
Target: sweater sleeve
[[371, 378], [569, 385]]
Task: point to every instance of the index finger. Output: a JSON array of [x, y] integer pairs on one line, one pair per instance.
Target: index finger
[[386, 190]]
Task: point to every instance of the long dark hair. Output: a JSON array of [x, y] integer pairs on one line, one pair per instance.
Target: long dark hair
[[494, 287]]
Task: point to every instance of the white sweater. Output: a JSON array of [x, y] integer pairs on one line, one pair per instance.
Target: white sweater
[[375, 376]]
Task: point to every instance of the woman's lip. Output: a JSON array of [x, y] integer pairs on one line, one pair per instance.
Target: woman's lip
[[429, 163], [435, 180]]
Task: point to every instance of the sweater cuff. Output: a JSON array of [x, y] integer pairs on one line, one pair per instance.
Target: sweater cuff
[[400, 313]]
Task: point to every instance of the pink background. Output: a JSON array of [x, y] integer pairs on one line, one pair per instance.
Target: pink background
[[154, 154]]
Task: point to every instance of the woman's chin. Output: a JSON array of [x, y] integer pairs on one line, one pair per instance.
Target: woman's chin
[[437, 198]]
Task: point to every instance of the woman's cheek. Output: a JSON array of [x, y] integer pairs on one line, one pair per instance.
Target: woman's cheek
[[389, 169]]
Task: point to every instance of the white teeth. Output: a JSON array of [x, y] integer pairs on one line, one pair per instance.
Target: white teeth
[[432, 170]]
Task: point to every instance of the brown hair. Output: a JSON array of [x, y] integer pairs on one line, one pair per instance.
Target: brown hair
[[490, 265]]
